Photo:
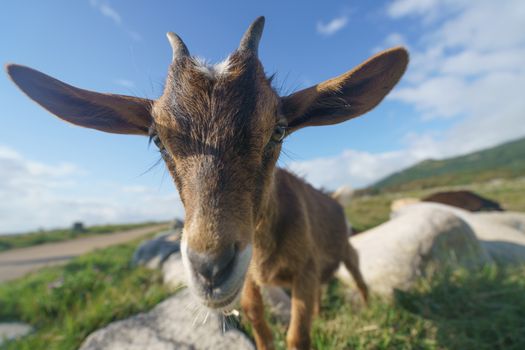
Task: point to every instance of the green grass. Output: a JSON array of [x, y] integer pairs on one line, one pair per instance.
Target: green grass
[[365, 212], [506, 161], [455, 310], [369, 211], [40, 237], [65, 304]]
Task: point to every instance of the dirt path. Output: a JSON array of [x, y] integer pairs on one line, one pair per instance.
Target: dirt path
[[17, 262]]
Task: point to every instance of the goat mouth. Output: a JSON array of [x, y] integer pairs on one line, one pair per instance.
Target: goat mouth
[[225, 295], [225, 303]]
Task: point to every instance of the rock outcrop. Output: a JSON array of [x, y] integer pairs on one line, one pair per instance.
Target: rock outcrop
[[498, 233], [176, 323], [13, 330], [153, 253], [394, 254]]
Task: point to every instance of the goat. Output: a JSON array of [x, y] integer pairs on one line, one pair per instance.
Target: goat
[[219, 129], [465, 200]]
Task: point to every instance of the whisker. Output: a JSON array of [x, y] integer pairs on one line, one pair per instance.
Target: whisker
[[224, 324], [163, 177], [157, 162], [206, 317], [197, 315], [191, 305], [227, 323], [292, 156]]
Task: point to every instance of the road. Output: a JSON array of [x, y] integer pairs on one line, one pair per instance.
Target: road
[[18, 262]]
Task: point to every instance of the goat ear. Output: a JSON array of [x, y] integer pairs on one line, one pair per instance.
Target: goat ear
[[106, 112], [346, 96]]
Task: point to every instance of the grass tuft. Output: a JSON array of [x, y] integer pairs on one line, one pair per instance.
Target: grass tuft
[[457, 309], [8, 242], [368, 211], [65, 304]]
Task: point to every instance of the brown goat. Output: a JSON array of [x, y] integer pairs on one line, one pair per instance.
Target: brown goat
[[219, 129], [465, 200]]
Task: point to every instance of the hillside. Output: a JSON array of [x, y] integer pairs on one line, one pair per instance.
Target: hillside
[[505, 161]]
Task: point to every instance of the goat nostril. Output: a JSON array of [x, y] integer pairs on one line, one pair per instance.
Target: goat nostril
[[224, 266], [214, 269]]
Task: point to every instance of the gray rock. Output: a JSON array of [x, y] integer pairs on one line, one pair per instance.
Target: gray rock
[[177, 224], [514, 220], [394, 254], [13, 330], [154, 252], [498, 233], [278, 303], [173, 273], [173, 324]]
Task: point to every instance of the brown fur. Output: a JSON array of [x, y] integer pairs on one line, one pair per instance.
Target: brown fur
[[216, 134], [295, 246], [464, 199]]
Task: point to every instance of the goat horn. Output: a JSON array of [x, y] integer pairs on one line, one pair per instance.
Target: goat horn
[[250, 39], [179, 48]]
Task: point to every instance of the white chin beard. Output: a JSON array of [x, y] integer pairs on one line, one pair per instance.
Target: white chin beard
[[237, 278]]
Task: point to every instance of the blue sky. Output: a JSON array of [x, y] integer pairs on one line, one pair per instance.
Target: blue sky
[[463, 91]]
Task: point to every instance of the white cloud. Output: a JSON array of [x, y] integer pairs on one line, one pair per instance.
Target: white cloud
[[48, 195], [402, 8], [106, 10], [392, 39], [125, 83], [358, 169], [427, 10], [109, 11], [349, 168], [332, 26], [435, 97], [467, 67], [134, 35]]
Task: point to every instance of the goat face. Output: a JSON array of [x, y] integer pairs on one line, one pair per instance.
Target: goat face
[[219, 129]]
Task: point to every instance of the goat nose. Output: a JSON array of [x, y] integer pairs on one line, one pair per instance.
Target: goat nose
[[213, 268]]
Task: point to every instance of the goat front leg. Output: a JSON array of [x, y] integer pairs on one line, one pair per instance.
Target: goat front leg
[[305, 291], [253, 307]]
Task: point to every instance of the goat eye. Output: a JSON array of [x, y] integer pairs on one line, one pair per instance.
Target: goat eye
[[156, 140], [279, 133]]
